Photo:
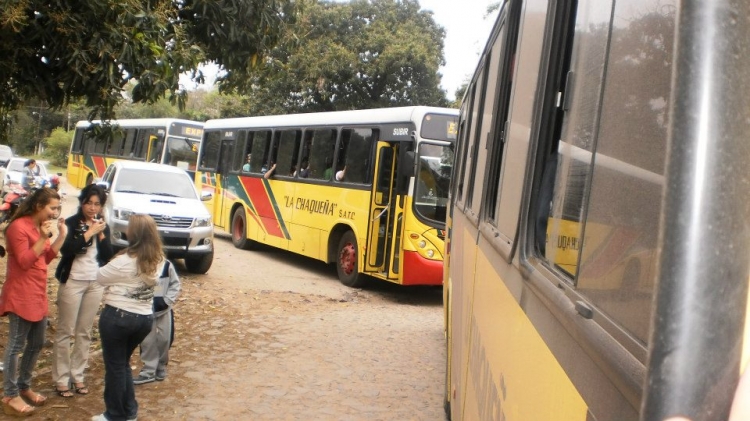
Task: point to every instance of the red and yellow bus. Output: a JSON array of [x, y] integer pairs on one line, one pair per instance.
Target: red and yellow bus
[[365, 189], [598, 250], [162, 140]]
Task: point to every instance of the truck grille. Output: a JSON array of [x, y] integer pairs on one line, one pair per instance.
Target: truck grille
[[166, 221]]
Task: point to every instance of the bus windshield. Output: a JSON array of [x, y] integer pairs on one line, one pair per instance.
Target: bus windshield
[[433, 179], [181, 153]]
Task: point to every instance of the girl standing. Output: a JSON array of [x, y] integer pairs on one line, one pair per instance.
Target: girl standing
[[129, 280], [24, 295], [86, 247]]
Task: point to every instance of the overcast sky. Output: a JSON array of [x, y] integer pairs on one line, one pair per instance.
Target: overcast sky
[[466, 32]]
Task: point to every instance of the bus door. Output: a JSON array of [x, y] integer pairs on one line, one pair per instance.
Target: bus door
[[222, 204], [155, 146], [383, 204]]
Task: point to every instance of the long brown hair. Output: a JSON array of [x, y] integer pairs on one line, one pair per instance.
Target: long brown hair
[[145, 245], [34, 203]]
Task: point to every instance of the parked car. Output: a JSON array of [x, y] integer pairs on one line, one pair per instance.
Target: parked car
[[167, 194], [14, 174], [6, 153]]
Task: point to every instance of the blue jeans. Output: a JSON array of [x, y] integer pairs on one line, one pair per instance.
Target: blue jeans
[[121, 332], [21, 332]]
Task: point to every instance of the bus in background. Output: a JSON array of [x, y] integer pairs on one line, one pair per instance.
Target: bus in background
[[598, 257], [161, 140], [365, 189]]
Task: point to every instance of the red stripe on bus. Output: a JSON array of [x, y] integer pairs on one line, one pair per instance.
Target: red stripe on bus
[[261, 202], [100, 165], [417, 270]]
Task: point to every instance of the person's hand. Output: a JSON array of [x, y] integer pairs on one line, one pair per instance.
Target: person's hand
[[48, 227], [98, 226], [62, 229]]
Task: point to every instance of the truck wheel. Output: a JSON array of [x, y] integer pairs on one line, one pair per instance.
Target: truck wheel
[[199, 264]]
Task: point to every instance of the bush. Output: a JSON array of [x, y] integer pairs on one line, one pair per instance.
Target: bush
[[58, 145]]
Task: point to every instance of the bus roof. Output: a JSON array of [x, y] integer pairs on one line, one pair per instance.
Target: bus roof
[[140, 122], [379, 115]]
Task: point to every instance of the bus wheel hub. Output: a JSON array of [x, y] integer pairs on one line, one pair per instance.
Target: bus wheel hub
[[347, 258]]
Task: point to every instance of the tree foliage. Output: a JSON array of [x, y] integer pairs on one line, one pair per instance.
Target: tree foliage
[[57, 52], [58, 145], [355, 55]]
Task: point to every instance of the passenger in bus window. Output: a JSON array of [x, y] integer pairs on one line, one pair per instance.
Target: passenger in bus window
[[246, 167], [269, 173], [293, 171], [304, 169], [341, 174]]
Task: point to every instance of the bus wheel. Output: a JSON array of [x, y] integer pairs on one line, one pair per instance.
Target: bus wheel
[[89, 179], [239, 231], [346, 261]]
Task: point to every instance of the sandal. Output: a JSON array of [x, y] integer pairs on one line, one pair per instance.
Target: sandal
[[64, 393], [34, 398], [81, 390], [16, 406]]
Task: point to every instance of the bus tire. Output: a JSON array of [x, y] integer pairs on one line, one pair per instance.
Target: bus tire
[[346, 261], [89, 179], [239, 230], [199, 264]]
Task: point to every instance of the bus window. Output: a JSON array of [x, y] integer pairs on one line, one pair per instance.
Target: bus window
[[321, 149], [129, 144], [78, 141], [473, 145], [98, 146], [210, 153], [142, 143], [114, 148], [237, 158], [288, 150], [180, 152], [433, 181], [354, 154], [155, 149], [260, 149], [247, 151]]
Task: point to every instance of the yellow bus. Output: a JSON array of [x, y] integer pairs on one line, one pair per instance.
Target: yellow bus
[[598, 251], [364, 189], [162, 140]]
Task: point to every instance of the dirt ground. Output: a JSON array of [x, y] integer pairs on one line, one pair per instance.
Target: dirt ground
[[268, 335]]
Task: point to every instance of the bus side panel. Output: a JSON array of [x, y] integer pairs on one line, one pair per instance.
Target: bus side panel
[[306, 241], [74, 170], [266, 211], [274, 213], [95, 165], [205, 182], [462, 288], [508, 353]]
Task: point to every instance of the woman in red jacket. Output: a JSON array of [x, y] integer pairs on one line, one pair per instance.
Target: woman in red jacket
[[24, 295]]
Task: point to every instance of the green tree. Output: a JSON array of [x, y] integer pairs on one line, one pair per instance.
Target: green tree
[[459, 94], [355, 55], [57, 52], [58, 145]]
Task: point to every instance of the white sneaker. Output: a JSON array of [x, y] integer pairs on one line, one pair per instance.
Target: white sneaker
[[101, 417]]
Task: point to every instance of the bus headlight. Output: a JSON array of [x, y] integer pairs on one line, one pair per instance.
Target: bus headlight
[[123, 214], [430, 253], [202, 222], [422, 244]]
